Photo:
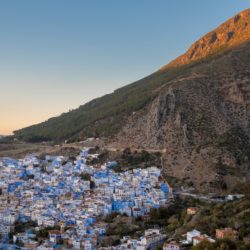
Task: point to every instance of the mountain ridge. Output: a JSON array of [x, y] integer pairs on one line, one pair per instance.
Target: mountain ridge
[[171, 68], [229, 34], [235, 26], [197, 113]]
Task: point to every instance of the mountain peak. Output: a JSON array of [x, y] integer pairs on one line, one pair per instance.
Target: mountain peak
[[231, 33]]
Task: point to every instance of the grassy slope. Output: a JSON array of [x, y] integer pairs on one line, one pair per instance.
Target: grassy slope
[[103, 116]]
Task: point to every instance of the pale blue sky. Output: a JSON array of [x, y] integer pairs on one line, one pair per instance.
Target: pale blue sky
[[56, 55]]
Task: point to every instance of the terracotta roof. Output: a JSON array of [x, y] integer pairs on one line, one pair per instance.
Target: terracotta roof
[[57, 232]]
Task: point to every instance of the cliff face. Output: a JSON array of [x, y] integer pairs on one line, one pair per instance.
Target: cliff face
[[202, 120]]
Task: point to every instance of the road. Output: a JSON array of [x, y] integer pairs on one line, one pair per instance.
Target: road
[[150, 150], [199, 197]]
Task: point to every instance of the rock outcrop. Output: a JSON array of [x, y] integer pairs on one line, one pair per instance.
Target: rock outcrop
[[231, 33], [202, 121]]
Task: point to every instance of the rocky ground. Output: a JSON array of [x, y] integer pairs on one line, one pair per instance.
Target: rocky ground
[[201, 121]]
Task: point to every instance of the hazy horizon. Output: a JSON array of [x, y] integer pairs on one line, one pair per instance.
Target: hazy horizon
[[59, 55]]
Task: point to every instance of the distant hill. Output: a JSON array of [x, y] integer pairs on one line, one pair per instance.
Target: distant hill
[[196, 108]]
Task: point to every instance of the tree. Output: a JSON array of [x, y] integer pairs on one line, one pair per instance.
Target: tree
[[225, 244], [204, 245], [85, 176]]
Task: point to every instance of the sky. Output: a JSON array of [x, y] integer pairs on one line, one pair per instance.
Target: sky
[[58, 54]]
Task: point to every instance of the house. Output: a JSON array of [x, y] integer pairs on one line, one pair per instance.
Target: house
[[192, 210], [31, 245], [199, 239], [192, 234], [227, 233], [20, 237], [151, 239], [76, 243], [87, 245], [136, 211], [171, 246], [8, 218], [133, 244], [54, 236], [140, 246]]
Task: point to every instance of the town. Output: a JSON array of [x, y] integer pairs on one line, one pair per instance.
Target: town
[[73, 195], [69, 199]]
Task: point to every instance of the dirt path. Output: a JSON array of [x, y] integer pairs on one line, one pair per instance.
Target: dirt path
[[150, 150]]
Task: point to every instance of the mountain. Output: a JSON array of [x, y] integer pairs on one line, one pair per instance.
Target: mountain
[[196, 109], [231, 33]]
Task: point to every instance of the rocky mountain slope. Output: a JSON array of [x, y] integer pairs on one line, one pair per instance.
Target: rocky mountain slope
[[231, 33], [202, 120], [196, 109]]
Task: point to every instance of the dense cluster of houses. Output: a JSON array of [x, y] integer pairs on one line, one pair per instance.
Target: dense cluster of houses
[[151, 239], [53, 192], [154, 238]]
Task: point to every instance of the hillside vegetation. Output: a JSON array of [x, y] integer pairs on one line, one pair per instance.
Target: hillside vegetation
[[101, 117], [106, 115], [196, 110]]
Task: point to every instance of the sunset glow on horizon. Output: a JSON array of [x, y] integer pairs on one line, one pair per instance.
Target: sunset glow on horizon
[[58, 55]]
